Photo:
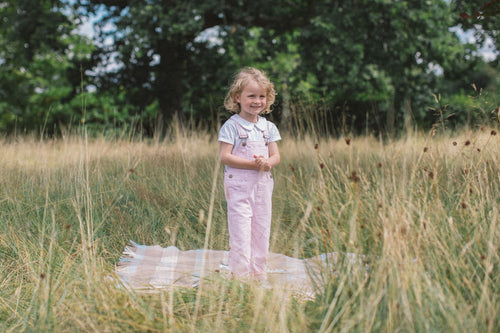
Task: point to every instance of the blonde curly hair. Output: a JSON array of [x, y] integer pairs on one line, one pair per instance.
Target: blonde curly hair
[[241, 80]]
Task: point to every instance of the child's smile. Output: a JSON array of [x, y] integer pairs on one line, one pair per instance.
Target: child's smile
[[252, 101]]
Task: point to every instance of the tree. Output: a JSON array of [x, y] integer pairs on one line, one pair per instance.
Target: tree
[[372, 61], [155, 43], [480, 15], [37, 51], [375, 57]]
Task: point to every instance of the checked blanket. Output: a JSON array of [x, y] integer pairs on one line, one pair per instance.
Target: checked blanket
[[144, 267]]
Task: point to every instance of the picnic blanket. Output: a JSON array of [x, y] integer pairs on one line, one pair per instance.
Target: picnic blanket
[[144, 267]]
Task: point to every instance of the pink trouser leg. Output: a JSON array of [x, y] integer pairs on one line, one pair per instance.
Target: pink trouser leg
[[261, 227], [239, 215], [249, 222]]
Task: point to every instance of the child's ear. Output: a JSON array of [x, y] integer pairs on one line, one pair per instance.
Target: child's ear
[[237, 98]]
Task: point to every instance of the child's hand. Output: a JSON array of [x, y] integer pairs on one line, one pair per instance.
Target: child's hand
[[262, 163]]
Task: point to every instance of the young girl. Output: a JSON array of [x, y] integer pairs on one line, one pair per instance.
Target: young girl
[[249, 150]]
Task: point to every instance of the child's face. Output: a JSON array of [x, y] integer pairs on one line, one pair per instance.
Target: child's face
[[253, 101]]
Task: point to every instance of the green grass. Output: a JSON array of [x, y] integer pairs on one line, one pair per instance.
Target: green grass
[[424, 211]]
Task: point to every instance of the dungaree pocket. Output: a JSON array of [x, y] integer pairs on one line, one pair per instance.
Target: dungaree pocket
[[234, 186], [264, 190]]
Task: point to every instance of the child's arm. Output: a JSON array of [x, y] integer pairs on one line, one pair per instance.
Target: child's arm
[[274, 154], [227, 158], [273, 160]]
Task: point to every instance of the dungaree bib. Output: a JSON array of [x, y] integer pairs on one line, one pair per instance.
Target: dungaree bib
[[248, 195]]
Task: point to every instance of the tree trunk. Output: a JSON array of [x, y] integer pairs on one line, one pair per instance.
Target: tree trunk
[[389, 119], [285, 122], [169, 88], [408, 127]]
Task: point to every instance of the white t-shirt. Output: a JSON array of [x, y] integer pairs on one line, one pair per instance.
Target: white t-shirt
[[229, 131]]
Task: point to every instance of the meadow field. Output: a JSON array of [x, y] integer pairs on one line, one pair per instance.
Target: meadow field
[[423, 209]]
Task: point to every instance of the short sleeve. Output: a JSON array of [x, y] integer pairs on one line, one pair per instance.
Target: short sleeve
[[228, 132], [274, 134]]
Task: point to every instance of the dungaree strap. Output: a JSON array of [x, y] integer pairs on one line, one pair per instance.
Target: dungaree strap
[[265, 132], [241, 131], [243, 134]]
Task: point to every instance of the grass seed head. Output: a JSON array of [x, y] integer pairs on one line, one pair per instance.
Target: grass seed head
[[354, 177]]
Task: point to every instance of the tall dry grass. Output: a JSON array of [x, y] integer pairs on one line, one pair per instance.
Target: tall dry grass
[[424, 210]]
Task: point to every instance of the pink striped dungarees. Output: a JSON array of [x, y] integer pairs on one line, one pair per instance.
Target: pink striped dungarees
[[248, 196]]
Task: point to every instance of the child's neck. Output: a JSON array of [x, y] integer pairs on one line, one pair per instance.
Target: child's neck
[[249, 118]]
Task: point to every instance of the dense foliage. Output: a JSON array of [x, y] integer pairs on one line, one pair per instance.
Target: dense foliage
[[369, 65]]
